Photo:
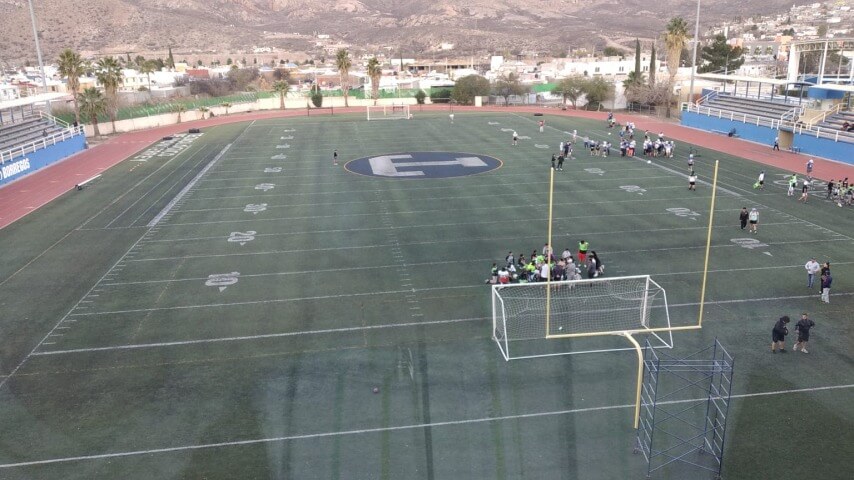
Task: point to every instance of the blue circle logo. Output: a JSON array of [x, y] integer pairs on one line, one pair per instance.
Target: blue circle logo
[[423, 165]]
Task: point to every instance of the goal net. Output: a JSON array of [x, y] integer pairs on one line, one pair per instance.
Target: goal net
[[388, 112], [525, 314]]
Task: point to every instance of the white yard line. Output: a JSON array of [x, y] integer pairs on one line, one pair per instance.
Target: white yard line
[[416, 426], [169, 206]]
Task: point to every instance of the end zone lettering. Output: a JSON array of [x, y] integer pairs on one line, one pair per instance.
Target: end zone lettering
[[14, 168]]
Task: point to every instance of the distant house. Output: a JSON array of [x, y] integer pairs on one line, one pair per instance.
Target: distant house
[[9, 92], [196, 74]]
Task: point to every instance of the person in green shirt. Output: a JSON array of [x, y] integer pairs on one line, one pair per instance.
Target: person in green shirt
[[583, 246]]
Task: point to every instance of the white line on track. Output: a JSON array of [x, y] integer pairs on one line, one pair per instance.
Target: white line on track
[[416, 426]]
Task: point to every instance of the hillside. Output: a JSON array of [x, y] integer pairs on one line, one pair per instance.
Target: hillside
[[476, 26]]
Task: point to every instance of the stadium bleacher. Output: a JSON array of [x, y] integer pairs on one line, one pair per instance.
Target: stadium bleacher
[[833, 124], [25, 132], [748, 106]]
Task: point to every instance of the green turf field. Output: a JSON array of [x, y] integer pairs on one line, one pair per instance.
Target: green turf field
[[243, 333]]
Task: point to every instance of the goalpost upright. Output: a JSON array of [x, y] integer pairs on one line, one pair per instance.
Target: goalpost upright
[[622, 300]]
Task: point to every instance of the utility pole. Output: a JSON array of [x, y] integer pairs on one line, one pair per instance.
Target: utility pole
[[694, 56], [39, 51]]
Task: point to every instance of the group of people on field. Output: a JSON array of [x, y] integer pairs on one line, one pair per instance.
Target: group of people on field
[[546, 266]]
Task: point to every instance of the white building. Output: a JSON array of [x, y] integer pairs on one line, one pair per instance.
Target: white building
[[9, 92]]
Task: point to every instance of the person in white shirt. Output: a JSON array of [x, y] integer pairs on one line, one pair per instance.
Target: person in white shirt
[[812, 267], [754, 219], [692, 181], [545, 271], [761, 180], [503, 276]]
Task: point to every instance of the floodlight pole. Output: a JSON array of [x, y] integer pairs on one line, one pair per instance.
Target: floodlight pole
[[549, 252], [38, 50], [694, 55]]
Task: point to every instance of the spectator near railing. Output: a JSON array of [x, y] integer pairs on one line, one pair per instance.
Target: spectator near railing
[[34, 134]]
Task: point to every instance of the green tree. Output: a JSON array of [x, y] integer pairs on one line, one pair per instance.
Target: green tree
[[138, 61], [179, 108], [228, 61], [613, 52], [652, 66], [71, 66], [420, 96], [147, 68], [204, 110], [343, 62], [375, 72], [109, 75], [226, 106], [316, 96], [720, 56], [92, 103], [570, 88], [675, 38], [442, 95], [170, 60], [509, 86], [281, 87], [468, 87], [633, 79], [597, 90], [637, 56]]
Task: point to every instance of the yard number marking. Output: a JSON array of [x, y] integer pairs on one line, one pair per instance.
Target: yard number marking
[[273, 170], [685, 212], [222, 280], [288, 130], [242, 237], [595, 171], [541, 146], [265, 186], [494, 123], [254, 208], [633, 189], [278, 157], [506, 129], [288, 137], [283, 146], [750, 244]]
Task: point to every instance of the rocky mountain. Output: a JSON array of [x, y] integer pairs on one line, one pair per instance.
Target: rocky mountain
[[475, 26]]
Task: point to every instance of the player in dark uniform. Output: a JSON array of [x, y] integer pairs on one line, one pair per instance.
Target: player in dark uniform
[[554, 159], [803, 326], [335, 157], [560, 160], [743, 216], [778, 334]]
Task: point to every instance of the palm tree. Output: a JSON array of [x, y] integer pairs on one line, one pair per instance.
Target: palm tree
[[375, 71], [92, 104], [226, 105], [203, 110], [71, 66], [675, 38], [633, 79], [109, 74], [179, 108], [281, 87], [342, 61], [148, 68]]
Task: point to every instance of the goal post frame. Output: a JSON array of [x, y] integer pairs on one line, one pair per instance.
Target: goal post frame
[[387, 112]]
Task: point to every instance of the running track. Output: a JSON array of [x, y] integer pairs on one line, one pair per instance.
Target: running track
[[23, 196]]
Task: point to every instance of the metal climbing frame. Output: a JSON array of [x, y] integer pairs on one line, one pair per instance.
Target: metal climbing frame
[[684, 407]]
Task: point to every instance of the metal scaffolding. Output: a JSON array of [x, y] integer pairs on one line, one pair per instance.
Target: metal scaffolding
[[684, 407]]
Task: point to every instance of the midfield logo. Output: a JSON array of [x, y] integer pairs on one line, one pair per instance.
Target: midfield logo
[[423, 165]]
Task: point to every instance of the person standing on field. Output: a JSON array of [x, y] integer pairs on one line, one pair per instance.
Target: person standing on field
[[803, 327], [812, 268], [826, 280], [335, 157], [778, 334], [743, 216], [754, 220], [582, 251]]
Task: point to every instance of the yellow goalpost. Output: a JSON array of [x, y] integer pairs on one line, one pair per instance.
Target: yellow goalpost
[[550, 334]]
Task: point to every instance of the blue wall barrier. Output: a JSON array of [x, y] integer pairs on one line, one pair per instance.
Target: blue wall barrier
[[808, 144], [746, 131], [17, 168], [823, 147]]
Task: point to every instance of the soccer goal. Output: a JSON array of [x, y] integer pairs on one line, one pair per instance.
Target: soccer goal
[[388, 112], [524, 315]]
